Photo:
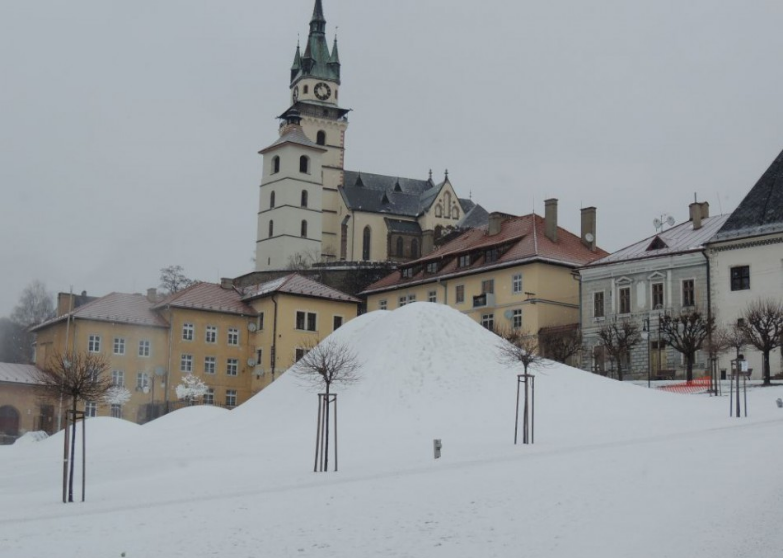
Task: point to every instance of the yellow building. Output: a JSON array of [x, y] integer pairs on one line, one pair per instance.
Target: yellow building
[[21, 408], [236, 340], [515, 273]]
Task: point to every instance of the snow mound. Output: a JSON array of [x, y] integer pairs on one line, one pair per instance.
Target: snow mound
[[186, 417], [31, 438]]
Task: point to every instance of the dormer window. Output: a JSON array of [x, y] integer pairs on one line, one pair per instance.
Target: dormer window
[[407, 272], [657, 244], [432, 267], [464, 261], [492, 255]]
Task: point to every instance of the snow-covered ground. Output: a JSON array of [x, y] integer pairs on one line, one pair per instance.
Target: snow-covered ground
[[617, 470]]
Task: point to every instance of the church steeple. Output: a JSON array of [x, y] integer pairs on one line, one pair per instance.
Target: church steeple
[[318, 23], [297, 65], [317, 61]]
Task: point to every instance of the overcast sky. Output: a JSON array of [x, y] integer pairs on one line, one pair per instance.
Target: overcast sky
[[129, 131]]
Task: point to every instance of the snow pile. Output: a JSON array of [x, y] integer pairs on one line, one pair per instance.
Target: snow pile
[[31, 438]]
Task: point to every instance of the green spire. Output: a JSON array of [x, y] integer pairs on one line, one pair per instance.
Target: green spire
[[318, 23], [297, 65]]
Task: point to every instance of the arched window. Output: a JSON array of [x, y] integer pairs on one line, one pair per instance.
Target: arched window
[[439, 210], [400, 247], [304, 164], [454, 212], [272, 200], [304, 198], [275, 164], [321, 138], [304, 228], [414, 248], [366, 238], [271, 229], [306, 89], [447, 204]]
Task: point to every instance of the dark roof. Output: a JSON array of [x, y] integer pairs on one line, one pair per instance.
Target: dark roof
[[521, 240], [293, 134], [676, 240], [475, 217], [133, 309], [210, 297], [404, 227], [296, 284], [761, 212]]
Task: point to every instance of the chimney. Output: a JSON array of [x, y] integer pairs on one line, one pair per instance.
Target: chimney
[[226, 283], [705, 210], [495, 223], [588, 227], [696, 213], [550, 218], [65, 303], [152, 295], [427, 242]]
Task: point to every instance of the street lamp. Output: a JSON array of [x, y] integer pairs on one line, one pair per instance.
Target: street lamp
[[646, 337]]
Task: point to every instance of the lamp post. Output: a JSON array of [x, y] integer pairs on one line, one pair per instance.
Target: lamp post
[[646, 337]]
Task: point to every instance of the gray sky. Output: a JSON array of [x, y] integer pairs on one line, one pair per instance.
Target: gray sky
[[129, 131]]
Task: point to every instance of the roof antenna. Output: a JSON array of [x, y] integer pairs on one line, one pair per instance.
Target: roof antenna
[[720, 205]]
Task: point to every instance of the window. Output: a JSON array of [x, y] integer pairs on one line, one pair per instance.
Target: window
[[320, 138], [232, 367], [233, 336], [209, 365], [657, 295], [464, 261], [94, 344], [299, 354], [432, 267], [259, 357], [491, 256], [261, 320], [740, 278], [272, 200], [366, 238], [90, 409], [432, 296], [304, 229], [116, 410], [402, 301], [210, 335], [186, 363], [460, 294], [144, 348], [516, 319], [414, 248], [306, 89], [488, 286], [688, 293], [306, 321], [118, 378], [231, 398], [187, 332], [119, 345], [382, 305], [304, 164], [209, 397], [400, 247], [516, 283], [411, 298], [337, 321], [407, 272], [598, 304], [625, 300], [142, 380], [275, 170], [304, 198], [271, 229], [488, 321]]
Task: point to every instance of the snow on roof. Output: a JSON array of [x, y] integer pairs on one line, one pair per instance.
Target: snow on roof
[[115, 307], [18, 373], [296, 284]]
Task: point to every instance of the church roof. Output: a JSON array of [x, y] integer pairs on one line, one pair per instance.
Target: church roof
[[293, 134], [317, 61], [761, 212]]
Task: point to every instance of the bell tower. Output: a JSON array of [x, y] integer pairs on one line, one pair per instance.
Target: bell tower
[[314, 94]]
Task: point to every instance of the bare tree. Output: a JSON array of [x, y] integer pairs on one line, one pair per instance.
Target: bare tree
[[762, 324], [36, 305], [13, 342], [618, 339], [302, 260], [173, 279], [561, 344], [687, 334], [78, 377], [521, 348], [729, 338], [323, 365]]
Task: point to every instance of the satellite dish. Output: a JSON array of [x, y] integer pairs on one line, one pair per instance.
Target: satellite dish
[[589, 237], [251, 326], [657, 223], [670, 220], [508, 314], [251, 362], [145, 389], [160, 371]]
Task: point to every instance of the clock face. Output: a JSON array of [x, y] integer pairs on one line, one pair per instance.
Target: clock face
[[322, 91], [296, 93]]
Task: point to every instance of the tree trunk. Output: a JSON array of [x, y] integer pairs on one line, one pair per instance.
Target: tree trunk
[[73, 452], [326, 429], [767, 371], [689, 368]]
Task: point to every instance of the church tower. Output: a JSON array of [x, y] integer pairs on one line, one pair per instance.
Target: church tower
[[312, 127]]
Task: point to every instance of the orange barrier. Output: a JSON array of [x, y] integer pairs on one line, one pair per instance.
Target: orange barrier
[[697, 385]]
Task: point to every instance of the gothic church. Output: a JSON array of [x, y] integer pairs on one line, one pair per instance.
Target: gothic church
[[313, 210]]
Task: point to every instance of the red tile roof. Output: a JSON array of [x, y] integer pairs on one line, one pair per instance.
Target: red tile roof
[[115, 307], [523, 238], [208, 296], [296, 284]]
